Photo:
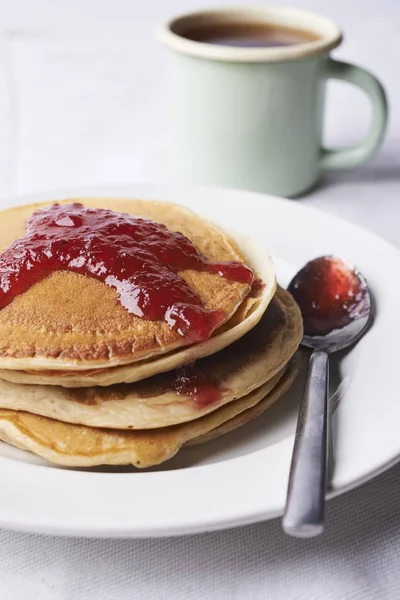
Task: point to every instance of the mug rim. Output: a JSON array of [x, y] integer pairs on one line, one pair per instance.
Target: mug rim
[[330, 35]]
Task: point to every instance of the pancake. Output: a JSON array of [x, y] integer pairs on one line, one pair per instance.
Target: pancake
[[69, 321], [230, 374], [80, 446], [245, 318]]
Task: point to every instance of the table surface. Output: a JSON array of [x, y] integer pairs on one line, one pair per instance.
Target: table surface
[[82, 89]]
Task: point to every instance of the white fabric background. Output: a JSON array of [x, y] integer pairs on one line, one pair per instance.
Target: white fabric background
[[82, 101]]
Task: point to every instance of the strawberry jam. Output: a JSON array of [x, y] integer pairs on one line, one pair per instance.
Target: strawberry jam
[[330, 293], [192, 381], [138, 257]]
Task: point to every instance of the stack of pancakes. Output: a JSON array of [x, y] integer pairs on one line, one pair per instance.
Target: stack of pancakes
[[84, 382]]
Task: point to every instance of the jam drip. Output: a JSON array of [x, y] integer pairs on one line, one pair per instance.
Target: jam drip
[[192, 381], [138, 257], [257, 288], [330, 293]]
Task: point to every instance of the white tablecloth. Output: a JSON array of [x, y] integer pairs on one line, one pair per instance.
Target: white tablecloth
[[82, 101]]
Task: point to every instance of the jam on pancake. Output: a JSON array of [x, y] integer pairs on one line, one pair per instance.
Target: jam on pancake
[[138, 257], [193, 381]]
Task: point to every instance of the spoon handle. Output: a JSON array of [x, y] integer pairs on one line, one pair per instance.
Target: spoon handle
[[304, 512]]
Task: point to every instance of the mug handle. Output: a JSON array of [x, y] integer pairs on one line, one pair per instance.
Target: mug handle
[[356, 155]]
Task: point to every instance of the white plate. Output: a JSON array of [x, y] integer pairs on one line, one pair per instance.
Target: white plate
[[239, 478]]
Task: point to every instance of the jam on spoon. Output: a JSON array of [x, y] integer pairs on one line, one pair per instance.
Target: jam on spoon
[[331, 294], [138, 257]]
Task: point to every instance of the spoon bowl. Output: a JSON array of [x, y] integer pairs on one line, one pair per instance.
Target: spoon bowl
[[334, 301]]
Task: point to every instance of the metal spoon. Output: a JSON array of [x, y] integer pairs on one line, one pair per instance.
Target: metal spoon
[[335, 303]]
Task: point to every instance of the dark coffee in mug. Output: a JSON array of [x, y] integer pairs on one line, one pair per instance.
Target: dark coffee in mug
[[247, 35]]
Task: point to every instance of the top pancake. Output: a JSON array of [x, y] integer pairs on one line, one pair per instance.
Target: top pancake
[[69, 321]]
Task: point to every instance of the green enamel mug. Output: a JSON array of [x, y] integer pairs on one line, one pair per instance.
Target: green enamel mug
[[252, 117]]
